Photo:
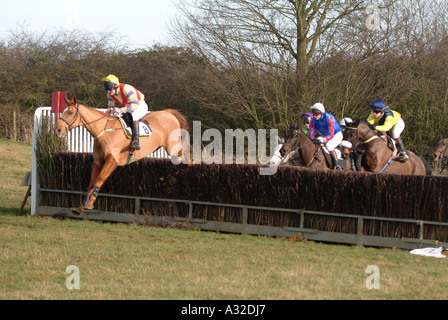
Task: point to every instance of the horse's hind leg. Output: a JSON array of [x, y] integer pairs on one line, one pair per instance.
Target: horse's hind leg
[[178, 147], [99, 176]]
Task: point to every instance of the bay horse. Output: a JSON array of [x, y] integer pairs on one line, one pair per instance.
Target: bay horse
[[299, 147], [377, 154], [441, 151], [112, 149]]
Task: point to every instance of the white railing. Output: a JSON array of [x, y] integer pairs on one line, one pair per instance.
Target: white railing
[[78, 140]]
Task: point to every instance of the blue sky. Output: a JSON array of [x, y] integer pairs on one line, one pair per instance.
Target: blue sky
[[140, 22]]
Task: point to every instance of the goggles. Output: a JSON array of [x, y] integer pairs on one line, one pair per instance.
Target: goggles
[[306, 120], [109, 85]]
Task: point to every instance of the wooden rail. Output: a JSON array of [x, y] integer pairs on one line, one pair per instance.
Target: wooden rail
[[357, 238]]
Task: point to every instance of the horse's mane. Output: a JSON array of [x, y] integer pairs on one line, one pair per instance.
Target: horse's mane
[[371, 126], [293, 127], [94, 109]]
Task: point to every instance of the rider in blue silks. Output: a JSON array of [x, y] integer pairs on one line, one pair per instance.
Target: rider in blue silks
[[329, 129]]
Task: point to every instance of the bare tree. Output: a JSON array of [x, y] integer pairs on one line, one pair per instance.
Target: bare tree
[[264, 31], [277, 40]]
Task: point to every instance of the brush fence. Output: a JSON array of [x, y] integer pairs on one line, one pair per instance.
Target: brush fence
[[367, 209]]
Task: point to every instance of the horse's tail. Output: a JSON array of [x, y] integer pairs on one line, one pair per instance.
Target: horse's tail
[[180, 117]]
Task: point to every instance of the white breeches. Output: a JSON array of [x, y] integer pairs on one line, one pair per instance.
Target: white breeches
[[140, 112], [397, 129], [336, 141]]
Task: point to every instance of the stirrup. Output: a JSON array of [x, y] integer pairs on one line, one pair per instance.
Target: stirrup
[[337, 167], [135, 145]]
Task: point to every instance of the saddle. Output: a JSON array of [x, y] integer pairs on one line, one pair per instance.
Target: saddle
[[126, 124], [328, 159], [391, 143]]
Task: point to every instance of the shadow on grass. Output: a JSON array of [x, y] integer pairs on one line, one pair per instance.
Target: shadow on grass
[[13, 211]]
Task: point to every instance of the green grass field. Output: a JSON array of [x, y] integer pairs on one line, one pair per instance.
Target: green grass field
[[122, 261]]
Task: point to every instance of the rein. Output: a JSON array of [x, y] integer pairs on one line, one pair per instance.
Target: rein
[[444, 166], [361, 139], [85, 124], [74, 118], [108, 115], [369, 140], [294, 148], [442, 153]]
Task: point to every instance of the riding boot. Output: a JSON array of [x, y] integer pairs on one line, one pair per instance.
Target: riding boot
[[402, 156], [334, 157], [135, 136]]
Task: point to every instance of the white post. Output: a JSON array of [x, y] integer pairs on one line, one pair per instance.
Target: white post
[[34, 175]]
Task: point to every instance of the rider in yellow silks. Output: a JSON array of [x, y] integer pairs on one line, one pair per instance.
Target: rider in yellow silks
[[390, 121], [133, 101]]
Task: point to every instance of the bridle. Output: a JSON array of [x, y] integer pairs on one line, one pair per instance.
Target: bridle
[[357, 134], [296, 135], [442, 156], [442, 153], [361, 139], [293, 147], [355, 144], [75, 118]]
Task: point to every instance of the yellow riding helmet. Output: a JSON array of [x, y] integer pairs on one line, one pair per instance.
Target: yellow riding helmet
[[110, 82]]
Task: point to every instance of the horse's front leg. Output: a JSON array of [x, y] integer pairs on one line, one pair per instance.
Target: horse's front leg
[[96, 168], [99, 176]]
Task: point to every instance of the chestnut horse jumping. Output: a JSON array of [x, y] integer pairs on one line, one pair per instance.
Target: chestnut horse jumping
[[298, 146], [112, 148], [377, 156]]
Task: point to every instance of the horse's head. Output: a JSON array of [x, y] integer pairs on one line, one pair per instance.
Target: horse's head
[[441, 149], [350, 138], [350, 132], [70, 118], [291, 140]]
